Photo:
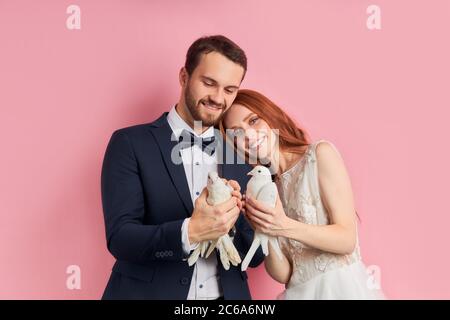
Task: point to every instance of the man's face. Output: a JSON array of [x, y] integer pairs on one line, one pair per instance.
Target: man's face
[[212, 87]]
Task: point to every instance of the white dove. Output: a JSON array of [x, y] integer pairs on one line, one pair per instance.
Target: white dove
[[261, 188], [218, 192]]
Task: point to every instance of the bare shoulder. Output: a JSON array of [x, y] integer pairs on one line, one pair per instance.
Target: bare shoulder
[[326, 149], [328, 157]]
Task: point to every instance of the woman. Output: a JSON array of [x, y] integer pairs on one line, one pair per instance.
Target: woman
[[314, 218]]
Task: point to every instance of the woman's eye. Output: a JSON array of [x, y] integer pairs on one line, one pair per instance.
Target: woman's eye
[[253, 120]]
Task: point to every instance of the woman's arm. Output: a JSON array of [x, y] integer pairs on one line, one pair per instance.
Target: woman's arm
[[336, 193], [279, 269]]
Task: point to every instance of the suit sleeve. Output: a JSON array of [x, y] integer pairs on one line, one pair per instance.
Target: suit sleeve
[[243, 240], [123, 208]]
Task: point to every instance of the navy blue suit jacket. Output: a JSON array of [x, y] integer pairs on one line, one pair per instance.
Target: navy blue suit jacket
[[145, 199]]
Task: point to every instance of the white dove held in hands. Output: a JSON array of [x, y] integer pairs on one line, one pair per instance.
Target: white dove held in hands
[[261, 188], [218, 192]]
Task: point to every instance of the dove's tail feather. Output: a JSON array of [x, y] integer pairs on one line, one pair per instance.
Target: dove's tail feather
[[276, 247], [251, 252], [211, 248], [264, 244], [233, 254], [204, 247], [223, 255], [194, 256]]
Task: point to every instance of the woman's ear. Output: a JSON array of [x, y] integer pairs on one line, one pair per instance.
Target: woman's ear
[[183, 77]]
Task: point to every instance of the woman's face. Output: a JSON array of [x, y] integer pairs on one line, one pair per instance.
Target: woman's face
[[253, 134]]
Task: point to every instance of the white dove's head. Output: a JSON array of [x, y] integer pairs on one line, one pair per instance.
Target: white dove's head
[[260, 171], [213, 177]]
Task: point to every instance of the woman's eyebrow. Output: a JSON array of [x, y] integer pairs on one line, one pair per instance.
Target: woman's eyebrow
[[248, 116]]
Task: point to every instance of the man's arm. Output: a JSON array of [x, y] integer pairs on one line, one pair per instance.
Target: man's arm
[[123, 207]]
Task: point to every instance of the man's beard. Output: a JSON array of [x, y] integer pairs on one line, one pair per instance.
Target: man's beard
[[194, 108]]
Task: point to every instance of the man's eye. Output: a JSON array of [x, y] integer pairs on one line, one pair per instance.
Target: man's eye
[[208, 84], [230, 91]]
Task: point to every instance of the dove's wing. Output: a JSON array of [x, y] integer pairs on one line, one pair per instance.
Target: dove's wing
[[218, 193], [268, 194]]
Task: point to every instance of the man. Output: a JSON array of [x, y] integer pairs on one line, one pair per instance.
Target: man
[[155, 206]]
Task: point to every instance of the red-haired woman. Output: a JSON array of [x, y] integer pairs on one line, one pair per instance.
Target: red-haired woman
[[314, 218]]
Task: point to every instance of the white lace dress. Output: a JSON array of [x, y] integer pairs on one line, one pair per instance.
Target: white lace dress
[[317, 274]]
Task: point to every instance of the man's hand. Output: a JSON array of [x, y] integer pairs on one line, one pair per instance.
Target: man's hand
[[236, 191], [210, 222]]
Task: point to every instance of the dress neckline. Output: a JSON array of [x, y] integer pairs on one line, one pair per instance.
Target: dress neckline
[[297, 164]]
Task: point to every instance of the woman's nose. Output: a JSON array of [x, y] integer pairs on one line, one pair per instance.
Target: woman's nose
[[251, 134]]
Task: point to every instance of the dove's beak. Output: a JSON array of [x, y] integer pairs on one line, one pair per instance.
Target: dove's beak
[[250, 173]]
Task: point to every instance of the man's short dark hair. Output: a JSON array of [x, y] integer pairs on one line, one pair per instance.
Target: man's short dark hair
[[216, 43]]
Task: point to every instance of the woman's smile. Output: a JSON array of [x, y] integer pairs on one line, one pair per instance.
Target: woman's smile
[[255, 145]]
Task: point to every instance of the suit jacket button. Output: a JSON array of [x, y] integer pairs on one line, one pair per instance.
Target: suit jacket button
[[184, 281], [158, 254], [170, 253]]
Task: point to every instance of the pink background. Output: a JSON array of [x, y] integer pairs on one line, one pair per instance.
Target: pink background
[[381, 96]]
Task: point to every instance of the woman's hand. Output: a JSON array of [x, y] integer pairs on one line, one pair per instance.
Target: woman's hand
[[265, 219]]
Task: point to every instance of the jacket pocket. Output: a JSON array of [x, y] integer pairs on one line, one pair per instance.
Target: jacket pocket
[[134, 270]]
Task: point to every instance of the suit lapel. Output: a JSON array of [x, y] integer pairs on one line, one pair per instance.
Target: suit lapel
[[163, 136]]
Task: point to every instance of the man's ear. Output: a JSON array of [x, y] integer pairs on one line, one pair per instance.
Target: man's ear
[[183, 77]]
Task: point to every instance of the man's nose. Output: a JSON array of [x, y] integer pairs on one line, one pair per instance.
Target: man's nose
[[218, 98]]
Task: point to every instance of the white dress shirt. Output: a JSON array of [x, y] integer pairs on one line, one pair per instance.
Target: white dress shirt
[[205, 283]]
